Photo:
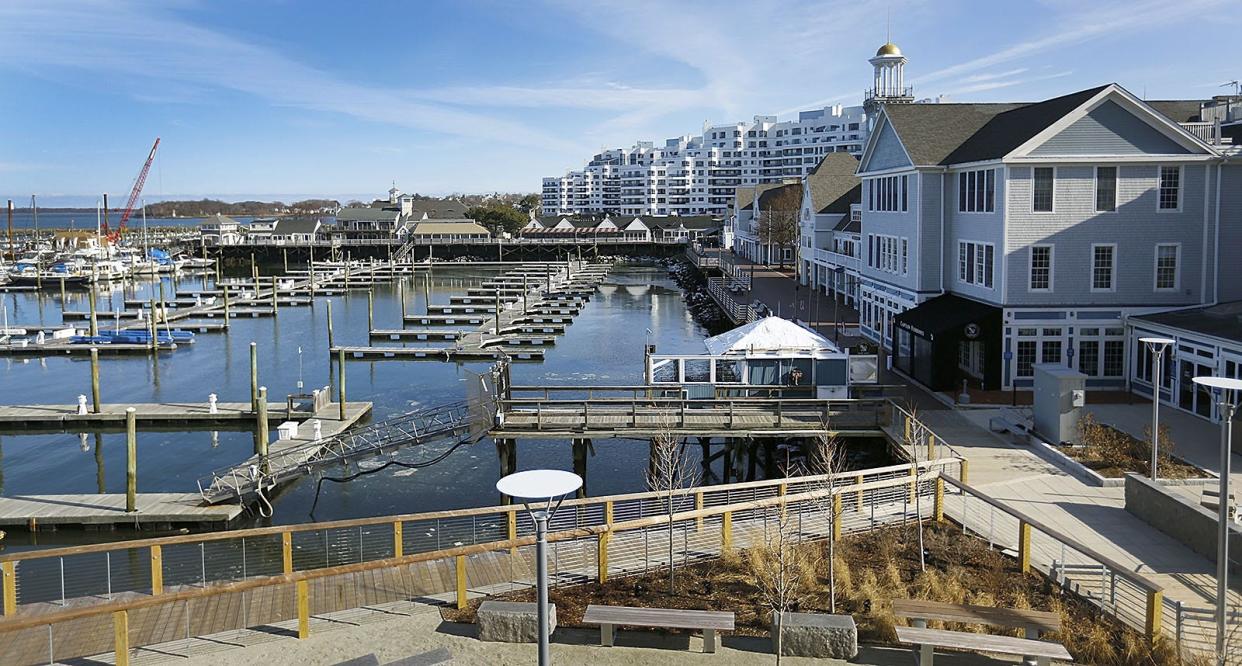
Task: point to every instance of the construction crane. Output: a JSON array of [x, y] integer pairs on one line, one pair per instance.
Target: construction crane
[[133, 196]]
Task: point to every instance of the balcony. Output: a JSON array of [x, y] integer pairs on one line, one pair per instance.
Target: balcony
[[830, 258], [1207, 132]]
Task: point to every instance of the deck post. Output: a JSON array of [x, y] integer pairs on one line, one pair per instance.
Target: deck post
[[95, 380], [286, 552], [303, 602], [1024, 546], [698, 506], [260, 448], [331, 343], [726, 532], [460, 566], [858, 499], [601, 561], [91, 300], [963, 471], [370, 310], [131, 461], [157, 570], [511, 519], [938, 507], [398, 539], [340, 362], [1155, 607], [8, 581], [254, 376], [120, 637]]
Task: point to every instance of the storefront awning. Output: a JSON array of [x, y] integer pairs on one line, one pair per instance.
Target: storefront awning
[[946, 313]]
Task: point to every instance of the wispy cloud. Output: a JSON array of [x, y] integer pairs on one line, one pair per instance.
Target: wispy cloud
[[986, 83]]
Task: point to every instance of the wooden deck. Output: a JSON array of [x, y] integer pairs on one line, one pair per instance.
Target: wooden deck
[[199, 413], [41, 511]]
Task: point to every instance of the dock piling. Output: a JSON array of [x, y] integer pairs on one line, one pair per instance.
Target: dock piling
[[131, 461], [285, 253], [94, 322], [260, 448], [331, 344], [275, 293], [370, 310], [254, 376], [401, 297], [227, 315], [340, 360], [95, 380], [497, 310], [64, 302]]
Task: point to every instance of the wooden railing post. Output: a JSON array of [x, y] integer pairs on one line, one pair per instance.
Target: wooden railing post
[[1155, 608], [698, 506], [157, 570], [120, 640], [461, 580], [512, 531], [303, 599], [963, 471], [726, 532], [286, 551], [601, 562], [8, 573], [1024, 546], [938, 507]]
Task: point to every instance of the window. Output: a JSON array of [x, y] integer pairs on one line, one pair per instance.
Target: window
[[1089, 357], [1042, 189], [891, 254], [1102, 267], [888, 194], [1041, 268], [1050, 351], [1166, 266], [1105, 189], [975, 263], [1025, 358], [976, 191], [1170, 188], [1114, 357], [905, 256]]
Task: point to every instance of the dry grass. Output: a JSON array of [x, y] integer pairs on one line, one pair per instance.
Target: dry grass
[[1112, 453], [872, 569]]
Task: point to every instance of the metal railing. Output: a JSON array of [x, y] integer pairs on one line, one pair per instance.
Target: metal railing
[[694, 252], [721, 291], [837, 259]]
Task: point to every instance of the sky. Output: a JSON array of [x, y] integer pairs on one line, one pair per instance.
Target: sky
[[276, 99]]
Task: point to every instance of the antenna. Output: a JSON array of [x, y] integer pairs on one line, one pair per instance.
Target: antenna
[[888, 25], [1237, 86]]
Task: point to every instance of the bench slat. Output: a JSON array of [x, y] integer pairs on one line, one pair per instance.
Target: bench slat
[[672, 618], [982, 642], [919, 609]]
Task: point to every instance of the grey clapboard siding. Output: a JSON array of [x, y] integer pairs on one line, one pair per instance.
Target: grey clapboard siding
[[1230, 250], [901, 225], [978, 227], [1109, 130], [887, 152], [931, 187]]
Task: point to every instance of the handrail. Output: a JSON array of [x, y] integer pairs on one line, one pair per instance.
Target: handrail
[[41, 619], [1118, 568], [433, 515]]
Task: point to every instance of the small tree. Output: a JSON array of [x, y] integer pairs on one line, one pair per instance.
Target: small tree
[[783, 569], [778, 219], [915, 436], [827, 459], [670, 472]]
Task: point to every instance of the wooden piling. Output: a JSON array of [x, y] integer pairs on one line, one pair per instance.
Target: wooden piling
[[95, 401], [371, 311], [94, 322], [64, 302], [340, 361], [260, 448], [227, 314], [401, 297], [254, 376], [331, 344], [275, 294], [131, 461], [497, 310], [285, 253]]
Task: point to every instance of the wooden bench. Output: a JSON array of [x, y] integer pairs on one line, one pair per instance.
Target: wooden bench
[[929, 639], [608, 617], [1034, 622]]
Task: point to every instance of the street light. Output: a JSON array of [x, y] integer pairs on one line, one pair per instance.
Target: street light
[[1226, 389], [541, 487], [1156, 346]]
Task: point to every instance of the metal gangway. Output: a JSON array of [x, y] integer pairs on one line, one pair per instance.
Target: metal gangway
[[451, 424]]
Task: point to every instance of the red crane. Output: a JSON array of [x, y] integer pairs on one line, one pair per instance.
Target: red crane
[[133, 196]]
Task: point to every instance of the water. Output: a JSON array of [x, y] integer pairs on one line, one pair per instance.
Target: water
[[85, 219], [603, 345]]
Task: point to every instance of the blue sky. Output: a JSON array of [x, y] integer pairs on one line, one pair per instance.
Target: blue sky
[[271, 98]]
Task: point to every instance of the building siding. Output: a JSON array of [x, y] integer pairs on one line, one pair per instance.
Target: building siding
[[1135, 228], [888, 152], [1109, 130], [1230, 247], [901, 225], [931, 240], [978, 227]]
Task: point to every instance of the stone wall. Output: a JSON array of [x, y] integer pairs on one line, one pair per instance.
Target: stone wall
[[1182, 519]]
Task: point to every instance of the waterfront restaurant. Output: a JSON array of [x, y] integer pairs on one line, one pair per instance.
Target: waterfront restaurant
[[768, 353]]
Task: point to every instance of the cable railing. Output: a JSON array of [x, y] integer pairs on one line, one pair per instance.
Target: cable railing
[[172, 590]]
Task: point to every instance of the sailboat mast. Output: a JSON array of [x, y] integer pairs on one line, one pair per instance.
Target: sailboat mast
[[34, 206]]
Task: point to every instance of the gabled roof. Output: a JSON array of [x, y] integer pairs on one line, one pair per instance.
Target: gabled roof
[[366, 214], [445, 209], [447, 227], [776, 190], [833, 185], [218, 219], [848, 225], [297, 225], [743, 198], [1178, 110]]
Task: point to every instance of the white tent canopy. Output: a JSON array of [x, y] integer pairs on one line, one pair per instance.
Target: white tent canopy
[[770, 334]]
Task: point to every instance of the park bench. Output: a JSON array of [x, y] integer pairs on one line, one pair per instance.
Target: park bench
[[608, 617], [919, 612]]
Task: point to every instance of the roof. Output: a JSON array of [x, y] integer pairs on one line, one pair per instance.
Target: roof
[[438, 208], [746, 194], [888, 49], [367, 213], [218, 219], [1223, 320], [1178, 110], [445, 227], [833, 185], [849, 225], [297, 225], [677, 221], [767, 335], [776, 190], [945, 312]]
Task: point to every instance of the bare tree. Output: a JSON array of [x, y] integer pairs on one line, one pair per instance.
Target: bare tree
[[916, 435], [778, 219], [670, 472], [782, 569], [826, 460]]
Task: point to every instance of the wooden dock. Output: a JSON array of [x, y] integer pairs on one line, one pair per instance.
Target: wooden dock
[[43, 511], [439, 353], [238, 415]]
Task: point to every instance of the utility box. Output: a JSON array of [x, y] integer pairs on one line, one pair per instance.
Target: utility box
[[1059, 396], [287, 430]]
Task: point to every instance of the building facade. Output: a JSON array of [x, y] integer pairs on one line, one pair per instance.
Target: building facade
[[997, 236]]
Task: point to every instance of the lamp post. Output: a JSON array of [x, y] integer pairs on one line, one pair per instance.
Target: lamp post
[[1156, 346], [838, 272], [540, 488], [1226, 388]]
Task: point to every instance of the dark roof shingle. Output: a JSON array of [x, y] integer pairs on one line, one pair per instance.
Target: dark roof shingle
[[833, 184]]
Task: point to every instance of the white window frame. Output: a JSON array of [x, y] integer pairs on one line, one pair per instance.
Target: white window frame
[[1095, 191], [1054, 191], [1177, 268], [978, 175], [1112, 280], [1030, 269], [975, 273], [1181, 187]]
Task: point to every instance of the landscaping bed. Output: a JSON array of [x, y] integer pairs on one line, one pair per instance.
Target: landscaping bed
[[1112, 453], [871, 569]]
